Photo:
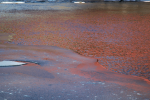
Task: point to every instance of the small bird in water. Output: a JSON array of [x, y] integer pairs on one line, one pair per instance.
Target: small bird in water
[[97, 60]]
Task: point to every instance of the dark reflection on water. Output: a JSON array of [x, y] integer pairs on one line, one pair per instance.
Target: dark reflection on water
[[115, 33]]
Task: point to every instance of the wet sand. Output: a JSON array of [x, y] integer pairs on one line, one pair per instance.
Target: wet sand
[[60, 74]]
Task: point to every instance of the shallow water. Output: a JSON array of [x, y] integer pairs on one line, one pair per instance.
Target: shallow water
[[115, 33], [60, 74]]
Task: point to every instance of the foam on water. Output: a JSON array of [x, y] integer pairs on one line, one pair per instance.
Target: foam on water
[[10, 63], [12, 2]]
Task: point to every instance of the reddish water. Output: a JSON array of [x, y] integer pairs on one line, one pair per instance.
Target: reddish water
[[115, 34], [59, 74], [118, 38]]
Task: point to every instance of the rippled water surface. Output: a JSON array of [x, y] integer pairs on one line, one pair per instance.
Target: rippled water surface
[[118, 34]]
